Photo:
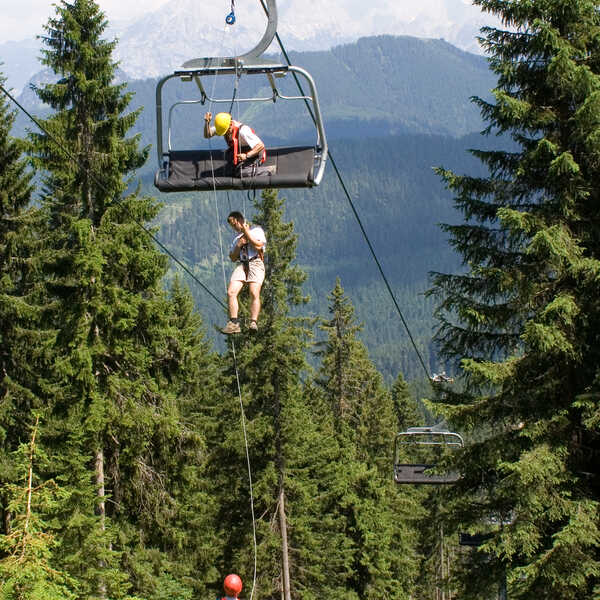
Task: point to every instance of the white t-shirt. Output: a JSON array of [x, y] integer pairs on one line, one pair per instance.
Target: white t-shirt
[[248, 251], [247, 137]]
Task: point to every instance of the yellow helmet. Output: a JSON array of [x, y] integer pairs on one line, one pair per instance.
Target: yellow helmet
[[222, 121]]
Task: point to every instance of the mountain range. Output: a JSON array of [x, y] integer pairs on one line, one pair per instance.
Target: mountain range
[[394, 107], [163, 39]]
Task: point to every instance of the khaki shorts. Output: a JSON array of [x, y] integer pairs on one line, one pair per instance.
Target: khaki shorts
[[256, 272]]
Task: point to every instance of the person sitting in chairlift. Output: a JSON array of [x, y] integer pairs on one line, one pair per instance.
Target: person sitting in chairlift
[[248, 152]]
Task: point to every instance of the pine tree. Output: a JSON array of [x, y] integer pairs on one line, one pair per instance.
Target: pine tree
[[524, 318], [405, 407], [121, 390], [379, 519], [19, 316], [25, 571], [293, 457]]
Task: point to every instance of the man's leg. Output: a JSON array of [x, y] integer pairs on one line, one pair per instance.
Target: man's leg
[[254, 289], [232, 297]]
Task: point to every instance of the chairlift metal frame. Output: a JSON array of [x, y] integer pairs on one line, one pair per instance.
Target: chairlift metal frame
[[250, 63], [417, 473]]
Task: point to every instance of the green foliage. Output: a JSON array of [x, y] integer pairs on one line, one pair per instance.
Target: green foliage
[[122, 365], [400, 201], [524, 319], [406, 409], [378, 517], [280, 431], [27, 545]]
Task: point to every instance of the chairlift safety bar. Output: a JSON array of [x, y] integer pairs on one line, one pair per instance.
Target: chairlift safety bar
[[426, 436]]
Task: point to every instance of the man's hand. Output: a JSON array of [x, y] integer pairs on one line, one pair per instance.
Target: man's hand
[[242, 156], [207, 117]]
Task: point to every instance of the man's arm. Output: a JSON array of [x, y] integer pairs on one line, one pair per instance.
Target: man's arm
[[208, 133], [235, 252], [252, 238], [252, 140]]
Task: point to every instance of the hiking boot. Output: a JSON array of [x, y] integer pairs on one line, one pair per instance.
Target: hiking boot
[[253, 326], [230, 328]]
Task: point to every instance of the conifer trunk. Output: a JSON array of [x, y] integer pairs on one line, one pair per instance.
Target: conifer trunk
[[285, 563], [100, 507]]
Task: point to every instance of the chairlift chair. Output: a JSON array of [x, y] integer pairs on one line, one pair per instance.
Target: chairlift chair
[[420, 472], [208, 169]]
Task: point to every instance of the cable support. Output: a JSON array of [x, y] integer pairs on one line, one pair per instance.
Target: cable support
[[355, 212]]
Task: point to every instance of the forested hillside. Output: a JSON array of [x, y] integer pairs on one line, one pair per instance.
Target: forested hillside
[[378, 86], [381, 85], [401, 202], [394, 108], [143, 456]]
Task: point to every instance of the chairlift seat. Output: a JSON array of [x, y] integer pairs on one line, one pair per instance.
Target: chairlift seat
[[418, 474], [193, 170]]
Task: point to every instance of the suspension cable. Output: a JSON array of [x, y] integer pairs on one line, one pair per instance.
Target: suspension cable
[[355, 212]]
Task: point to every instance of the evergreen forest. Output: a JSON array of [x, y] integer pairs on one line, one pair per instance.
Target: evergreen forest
[[144, 456]]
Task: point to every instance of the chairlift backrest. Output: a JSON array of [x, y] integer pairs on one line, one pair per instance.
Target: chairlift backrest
[[420, 472]]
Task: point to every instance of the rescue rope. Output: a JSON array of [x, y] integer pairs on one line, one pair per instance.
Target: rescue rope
[[235, 364]]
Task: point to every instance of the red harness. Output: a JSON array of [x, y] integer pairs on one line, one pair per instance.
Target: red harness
[[234, 143]]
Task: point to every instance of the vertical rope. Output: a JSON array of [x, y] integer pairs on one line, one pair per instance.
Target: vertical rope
[[235, 364]]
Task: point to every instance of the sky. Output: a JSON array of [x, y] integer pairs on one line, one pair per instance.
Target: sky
[[23, 19]]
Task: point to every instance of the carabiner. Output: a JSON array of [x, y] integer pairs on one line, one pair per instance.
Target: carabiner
[[230, 18]]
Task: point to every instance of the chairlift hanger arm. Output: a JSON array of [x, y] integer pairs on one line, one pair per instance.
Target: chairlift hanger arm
[[250, 57], [294, 166]]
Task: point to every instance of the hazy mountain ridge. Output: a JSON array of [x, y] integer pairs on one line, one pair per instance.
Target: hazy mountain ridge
[[381, 85], [163, 39]]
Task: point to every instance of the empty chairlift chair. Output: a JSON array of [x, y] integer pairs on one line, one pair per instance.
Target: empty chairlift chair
[[208, 169], [421, 444]]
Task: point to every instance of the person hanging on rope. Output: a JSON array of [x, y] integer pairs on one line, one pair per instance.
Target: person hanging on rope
[[247, 248], [232, 586], [246, 148]]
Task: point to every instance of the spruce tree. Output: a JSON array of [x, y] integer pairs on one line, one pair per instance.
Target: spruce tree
[[379, 519], [524, 317], [405, 407], [19, 316], [293, 457], [129, 365]]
